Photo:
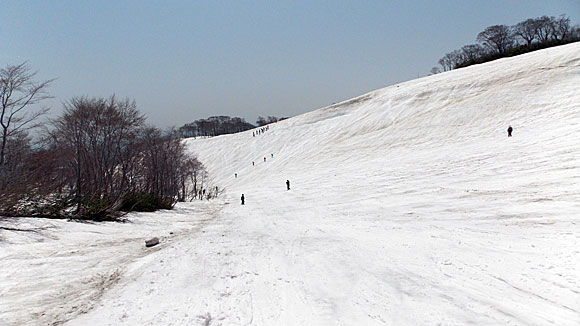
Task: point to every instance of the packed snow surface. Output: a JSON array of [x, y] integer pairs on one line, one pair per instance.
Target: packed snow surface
[[408, 206]]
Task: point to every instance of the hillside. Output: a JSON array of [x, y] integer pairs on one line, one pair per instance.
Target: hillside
[[408, 205]]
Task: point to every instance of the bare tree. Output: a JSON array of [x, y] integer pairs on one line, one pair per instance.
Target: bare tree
[[574, 33], [498, 38], [544, 28], [98, 135], [472, 52], [14, 173], [526, 30], [445, 64], [18, 92], [261, 121], [560, 27], [457, 58], [451, 60]]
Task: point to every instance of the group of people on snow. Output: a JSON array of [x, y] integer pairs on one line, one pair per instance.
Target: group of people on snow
[[260, 131], [254, 163], [205, 193]]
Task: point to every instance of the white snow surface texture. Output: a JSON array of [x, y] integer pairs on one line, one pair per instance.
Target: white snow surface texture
[[408, 205]]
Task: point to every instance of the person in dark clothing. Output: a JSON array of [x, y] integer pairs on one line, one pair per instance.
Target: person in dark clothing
[[236, 175], [287, 184], [272, 155], [264, 159], [243, 202], [252, 162], [510, 129]]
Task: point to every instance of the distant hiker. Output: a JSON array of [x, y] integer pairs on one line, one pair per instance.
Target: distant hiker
[[287, 184], [272, 155], [236, 175], [253, 163], [264, 158], [510, 129], [243, 202]]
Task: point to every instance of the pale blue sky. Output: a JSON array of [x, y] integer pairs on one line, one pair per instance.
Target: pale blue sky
[[186, 60]]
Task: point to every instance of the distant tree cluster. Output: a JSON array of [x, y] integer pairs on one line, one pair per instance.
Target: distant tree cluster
[[500, 41], [270, 119], [96, 159], [214, 126], [221, 125]]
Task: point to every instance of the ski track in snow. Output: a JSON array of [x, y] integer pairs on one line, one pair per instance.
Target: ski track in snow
[[409, 206]]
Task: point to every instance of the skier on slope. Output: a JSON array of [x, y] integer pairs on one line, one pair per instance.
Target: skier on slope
[[509, 130], [243, 202], [287, 184]]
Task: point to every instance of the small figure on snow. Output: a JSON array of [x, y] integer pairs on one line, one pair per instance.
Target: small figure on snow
[[235, 175], [253, 163], [287, 184], [243, 199], [509, 130], [264, 159], [272, 155]]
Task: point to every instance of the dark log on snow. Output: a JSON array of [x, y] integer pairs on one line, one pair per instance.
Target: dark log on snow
[[152, 242]]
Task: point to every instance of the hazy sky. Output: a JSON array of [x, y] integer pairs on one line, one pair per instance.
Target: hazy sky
[[186, 60]]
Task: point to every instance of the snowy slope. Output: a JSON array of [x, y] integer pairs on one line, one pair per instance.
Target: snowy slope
[[409, 206]]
